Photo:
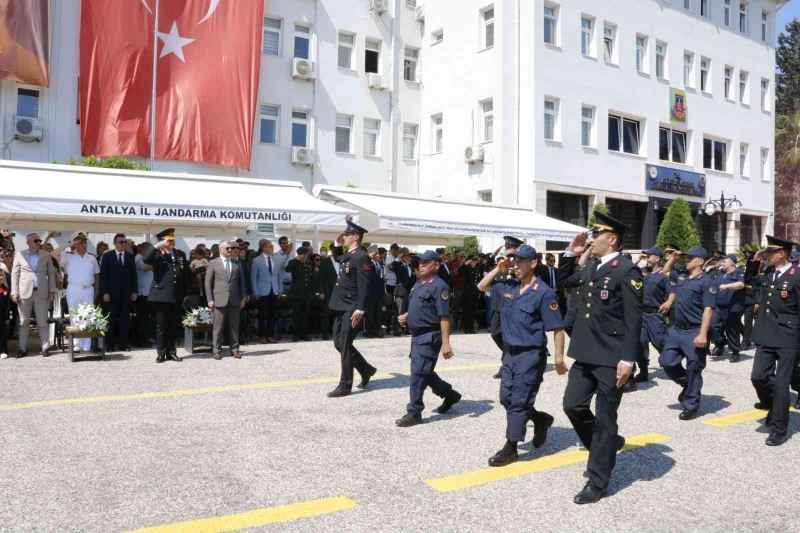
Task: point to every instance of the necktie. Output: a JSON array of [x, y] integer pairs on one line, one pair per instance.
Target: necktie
[[228, 268], [269, 263], [119, 256], [552, 277]]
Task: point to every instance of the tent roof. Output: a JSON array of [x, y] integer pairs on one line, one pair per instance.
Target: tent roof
[[99, 199], [405, 217]]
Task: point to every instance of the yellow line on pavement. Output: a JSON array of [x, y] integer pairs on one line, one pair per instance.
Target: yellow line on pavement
[[256, 518], [738, 418], [489, 475], [213, 390]]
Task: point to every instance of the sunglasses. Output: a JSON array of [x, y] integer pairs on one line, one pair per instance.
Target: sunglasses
[[37, 241], [233, 248]]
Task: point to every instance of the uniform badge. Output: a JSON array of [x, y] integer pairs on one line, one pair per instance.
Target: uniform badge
[[615, 263], [791, 272], [508, 295], [712, 290], [553, 306], [785, 294], [536, 286], [604, 295], [347, 268], [636, 284], [445, 295]]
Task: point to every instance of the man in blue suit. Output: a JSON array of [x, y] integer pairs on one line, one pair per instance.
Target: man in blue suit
[[118, 287], [266, 283]]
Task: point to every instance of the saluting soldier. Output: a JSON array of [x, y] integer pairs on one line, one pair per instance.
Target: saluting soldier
[[753, 279], [349, 303], [688, 338], [776, 334], [511, 244], [428, 320], [529, 310], [604, 344], [170, 272], [730, 306]]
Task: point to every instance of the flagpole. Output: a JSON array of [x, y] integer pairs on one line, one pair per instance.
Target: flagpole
[[153, 92]]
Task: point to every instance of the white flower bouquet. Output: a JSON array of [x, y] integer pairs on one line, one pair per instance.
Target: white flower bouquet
[[197, 316], [88, 318]]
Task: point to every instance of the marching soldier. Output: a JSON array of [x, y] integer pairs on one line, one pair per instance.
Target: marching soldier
[[170, 273], [754, 276], [472, 276], [730, 307], [428, 320], [695, 299], [777, 337], [605, 344], [529, 310], [349, 303], [496, 297]]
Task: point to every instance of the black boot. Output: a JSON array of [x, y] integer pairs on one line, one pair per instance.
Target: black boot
[[506, 456], [451, 399], [409, 420], [735, 357], [497, 375], [339, 391], [365, 378], [541, 423]]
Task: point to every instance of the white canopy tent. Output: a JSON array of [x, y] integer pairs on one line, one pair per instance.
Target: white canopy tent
[[393, 217], [65, 197]]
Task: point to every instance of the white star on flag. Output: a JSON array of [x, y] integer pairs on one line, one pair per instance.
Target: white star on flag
[[173, 43]]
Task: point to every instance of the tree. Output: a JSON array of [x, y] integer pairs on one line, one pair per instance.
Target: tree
[[787, 133], [678, 227], [787, 77], [471, 246], [116, 161], [598, 208]]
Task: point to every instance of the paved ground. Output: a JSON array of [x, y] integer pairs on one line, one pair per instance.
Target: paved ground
[[125, 444]]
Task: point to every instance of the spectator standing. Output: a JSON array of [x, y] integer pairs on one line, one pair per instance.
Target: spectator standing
[[373, 321], [5, 297], [282, 258], [118, 287], [266, 284], [300, 293], [226, 290], [402, 289], [33, 287], [328, 274], [144, 280]]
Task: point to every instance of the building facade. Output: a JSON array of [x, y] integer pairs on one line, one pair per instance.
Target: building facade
[[549, 105]]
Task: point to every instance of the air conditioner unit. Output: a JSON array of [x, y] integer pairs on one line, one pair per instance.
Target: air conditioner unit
[[302, 69], [379, 7], [474, 153], [28, 129], [419, 14], [375, 81], [302, 156]]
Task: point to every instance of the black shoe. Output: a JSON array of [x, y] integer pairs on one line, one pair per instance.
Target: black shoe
[[589, 494], [641, 377], [630, 385], [339, 391], [735, 358], [719, 351], [160, 359], [682, 395], [450, 400], [365, 379], [408, 420], [21, 354], [762, 405], [776, 439], [325, 338], [125, 348], [541, 424], [497, 376], [688, 415], [504, 457], [173, 357], [620, 442]]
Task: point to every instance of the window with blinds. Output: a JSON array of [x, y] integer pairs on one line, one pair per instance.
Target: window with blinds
[[409, 141], [269, 124], [372, 128], [344, 128], [272, 36]]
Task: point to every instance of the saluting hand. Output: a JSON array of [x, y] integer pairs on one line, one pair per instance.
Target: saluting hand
[[578, 243], [340, 239]]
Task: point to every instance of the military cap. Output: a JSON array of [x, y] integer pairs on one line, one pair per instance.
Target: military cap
[[439, 251], [604, 223], [168, 234], [774, 244], [697, 251], [526, 251], [655, 250], [354, 229], [430, 255], [795, 256], [80, 236], [512, 242]]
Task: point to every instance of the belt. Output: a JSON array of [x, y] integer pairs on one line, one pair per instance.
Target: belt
[[82, 286], [649, 309], [686, 325], [422, 331]]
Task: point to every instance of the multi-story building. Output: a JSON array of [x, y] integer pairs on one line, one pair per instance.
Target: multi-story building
[[549, 105]]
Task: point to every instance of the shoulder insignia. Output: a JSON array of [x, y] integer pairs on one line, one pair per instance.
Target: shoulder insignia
[[615, 263], [681, 278], [636, 284], [508, 295], [553, 306], [536, 286], [445, 295], [792, 271], [712, 290], [672, 283]]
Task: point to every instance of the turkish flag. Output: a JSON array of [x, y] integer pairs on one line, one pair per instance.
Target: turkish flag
[[207, 72]]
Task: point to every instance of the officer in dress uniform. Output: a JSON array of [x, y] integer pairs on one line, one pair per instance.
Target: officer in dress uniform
[[496, 298], [730, 306], [300, 293], [776, 335], [349, 303], [753, 279], [605, 345], [82, 270], [428, 320], [170, 272], [695, 300], [529, 310]]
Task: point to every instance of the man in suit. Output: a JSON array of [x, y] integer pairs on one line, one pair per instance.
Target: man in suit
[[444, 268], [170, 279], [266, 285], [376, 288], [225, 290], [300, 293], [118, 287], [604, 344], [328, 274], [33, 287], [349, 301], [469, 302], [547, 271], [402, 289]]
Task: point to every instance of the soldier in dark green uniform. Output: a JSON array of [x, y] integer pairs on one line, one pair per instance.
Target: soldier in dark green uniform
[[300, 293]]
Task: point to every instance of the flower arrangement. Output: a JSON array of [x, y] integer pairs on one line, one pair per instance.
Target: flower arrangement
[[197, 316], [89, 318]]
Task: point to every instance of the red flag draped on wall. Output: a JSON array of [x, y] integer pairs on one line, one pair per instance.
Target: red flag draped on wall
[[24, 41], [209, 57]]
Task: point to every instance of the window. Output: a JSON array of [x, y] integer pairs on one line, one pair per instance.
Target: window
[[728, 82], [487, 17], [409, 141], [299, 128], [764, 25], [743, 152], [372, 56], [743, 17], [726, 18], [437, 133], [687, 4], [704, 9], [344, 134], [411, 4], [550, 118], [272, 36], [623, 134], [550, 24], [688, 69], [743, 79], [587, 27], [372, 133], [437, 36], [346, 42], [609, 41], [302, 41], [705, 68], [765, 163], [27, 103], [661, 60], [487, 119], [765, 94], [485, 196], [410, 64], [672, 145], [269, 124], [641, 53], [587, 126], [715, 154]]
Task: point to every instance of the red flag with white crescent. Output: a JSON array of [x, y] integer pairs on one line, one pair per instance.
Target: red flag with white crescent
[[207, 71]]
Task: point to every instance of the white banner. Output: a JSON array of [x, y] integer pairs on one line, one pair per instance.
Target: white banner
[[457, 228]]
